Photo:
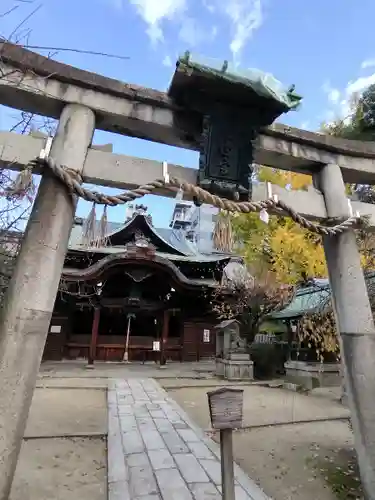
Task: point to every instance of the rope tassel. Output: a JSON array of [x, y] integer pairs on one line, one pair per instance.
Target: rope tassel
[[22, 183], [89, 228], [223, 232], [103, 228]]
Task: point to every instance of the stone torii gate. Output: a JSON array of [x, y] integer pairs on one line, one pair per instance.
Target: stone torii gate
[[82, 102]]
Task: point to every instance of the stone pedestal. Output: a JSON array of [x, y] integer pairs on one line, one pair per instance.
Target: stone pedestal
[[237, 366], [311, 375]]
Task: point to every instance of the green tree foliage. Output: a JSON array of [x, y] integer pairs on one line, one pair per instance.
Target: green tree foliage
[[360, 122], [292, 253]]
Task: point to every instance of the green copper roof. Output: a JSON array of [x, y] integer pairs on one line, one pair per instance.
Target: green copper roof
[[312, 299], [306, 300], [263, 84]]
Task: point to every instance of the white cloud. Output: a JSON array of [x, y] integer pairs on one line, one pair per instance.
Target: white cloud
[[154, 12], [343, 102], [167, 61], [193, 34], [209, 6], [305, 125], [360, 84], [368, 63], [246, 17], [333, 94]]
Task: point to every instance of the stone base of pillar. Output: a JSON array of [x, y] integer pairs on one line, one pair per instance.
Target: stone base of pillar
[[311, 375], [238, 366]]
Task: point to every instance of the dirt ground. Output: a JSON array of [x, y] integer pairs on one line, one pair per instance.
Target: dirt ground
[[63, 467], [290, 461]]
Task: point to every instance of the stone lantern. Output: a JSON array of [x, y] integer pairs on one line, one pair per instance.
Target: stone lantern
[[232, 359]]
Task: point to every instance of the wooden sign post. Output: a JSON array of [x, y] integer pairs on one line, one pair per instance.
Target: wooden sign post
[[226, 414]]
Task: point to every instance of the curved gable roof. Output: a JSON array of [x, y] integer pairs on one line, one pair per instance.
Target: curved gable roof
[[95, 271], [141, 223]]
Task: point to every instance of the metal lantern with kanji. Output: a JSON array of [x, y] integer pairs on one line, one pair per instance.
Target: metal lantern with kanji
[[233, 106], [226, 408]]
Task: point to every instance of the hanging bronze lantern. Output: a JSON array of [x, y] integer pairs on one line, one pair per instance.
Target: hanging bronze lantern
[[233, 107]]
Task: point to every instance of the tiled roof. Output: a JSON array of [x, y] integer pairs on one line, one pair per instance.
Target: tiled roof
[[174, 238]]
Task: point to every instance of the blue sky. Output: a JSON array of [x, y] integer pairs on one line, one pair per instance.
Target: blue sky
[[326, 48]]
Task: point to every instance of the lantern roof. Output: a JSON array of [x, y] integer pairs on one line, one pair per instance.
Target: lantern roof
[[221, 81]]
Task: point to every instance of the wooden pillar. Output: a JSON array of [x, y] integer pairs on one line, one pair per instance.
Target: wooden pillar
[[227, 467], [94, 336], [355, 323], [127, 338], [30, 298], [164, 337]]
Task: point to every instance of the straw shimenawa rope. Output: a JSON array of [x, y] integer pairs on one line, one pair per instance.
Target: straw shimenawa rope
[[72, 181]]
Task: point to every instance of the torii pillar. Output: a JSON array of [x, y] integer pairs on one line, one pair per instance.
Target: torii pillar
[[31, 295], [355, 323]]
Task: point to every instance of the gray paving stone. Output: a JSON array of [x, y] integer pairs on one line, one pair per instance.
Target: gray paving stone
[[250, 486], [173, 416], [112, 397], [205, 491], [132, 442], [188, 435], [200, 451], [152, 439], [163, 424], [134, 383], [114, 429], [111, 384], [190, 468], [117, 470], [128, 423], [146, 424], [137, 460], [140, 398], [157, 414], [174, 442], [125, 410], [155, 398], [142, 481], [124, 392], [125, 400], [180, 425], [161, 459], [152, 406], [148, 497], [141, 411], [213, 469], [121, 383], [119, 491], [241, 493], [172, 486]]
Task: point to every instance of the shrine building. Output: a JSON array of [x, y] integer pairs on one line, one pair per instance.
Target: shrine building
[[139, 294]]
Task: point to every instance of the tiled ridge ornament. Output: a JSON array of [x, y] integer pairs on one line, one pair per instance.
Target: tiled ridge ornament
[[156, 452]]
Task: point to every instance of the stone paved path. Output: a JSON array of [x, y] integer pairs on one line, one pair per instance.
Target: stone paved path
[[156, 452]]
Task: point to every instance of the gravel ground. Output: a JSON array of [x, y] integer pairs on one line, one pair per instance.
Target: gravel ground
[[291, 461], [65, 467]]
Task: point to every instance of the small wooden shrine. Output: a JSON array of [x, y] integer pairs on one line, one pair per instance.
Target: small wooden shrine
[[141, 293]]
